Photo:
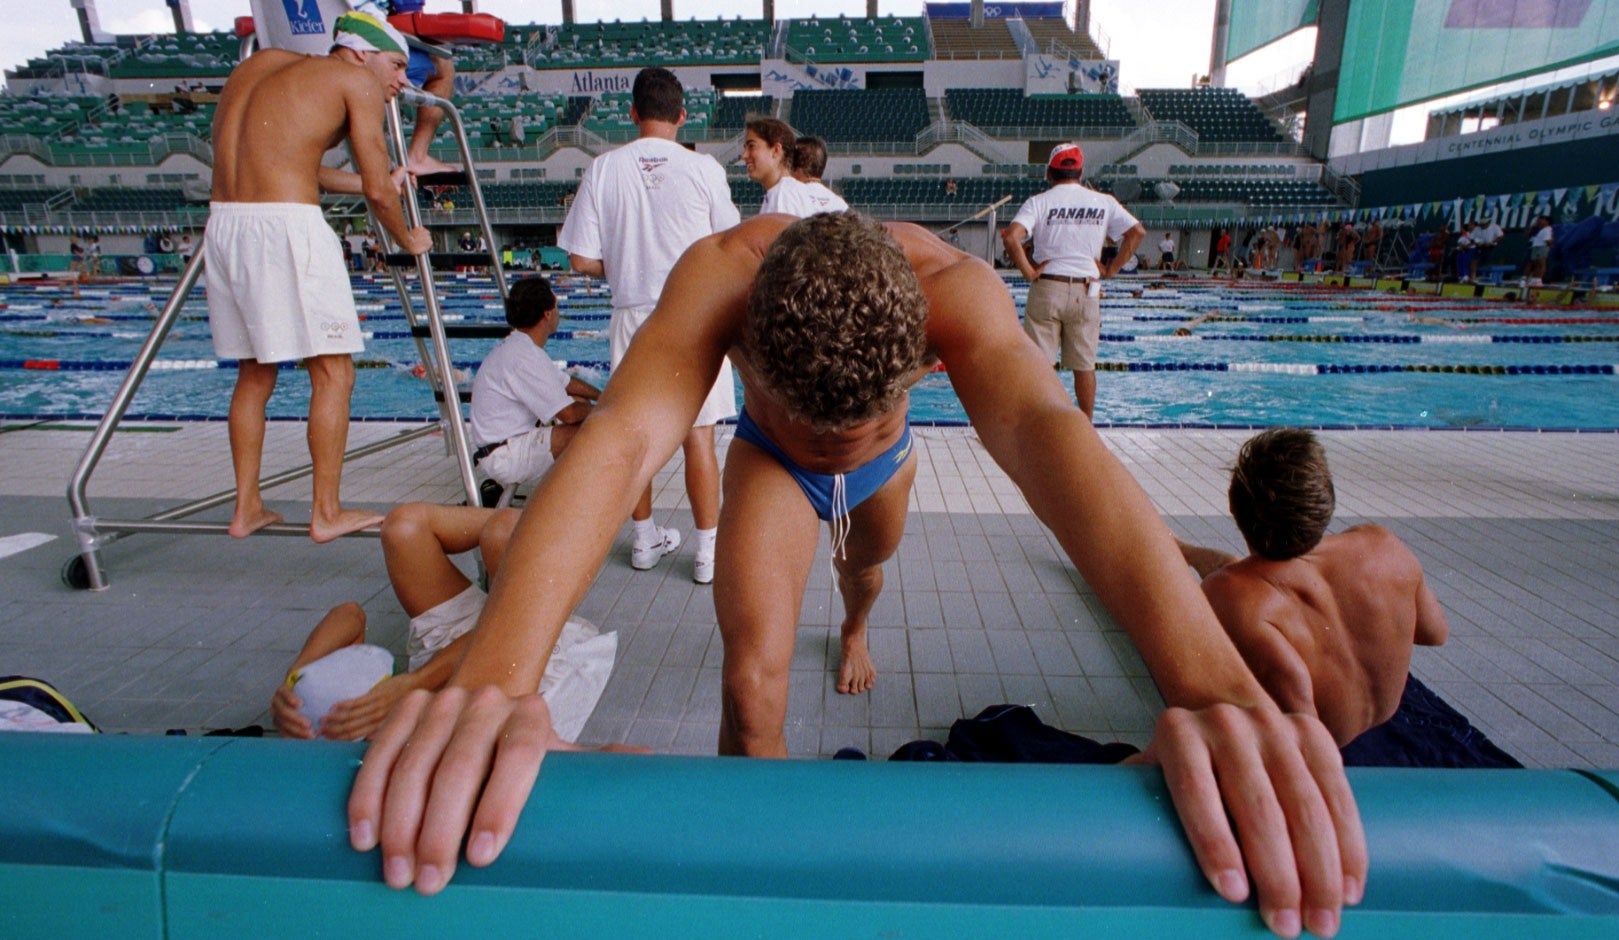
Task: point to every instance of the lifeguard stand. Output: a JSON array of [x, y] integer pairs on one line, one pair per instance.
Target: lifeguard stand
[[307, 27]]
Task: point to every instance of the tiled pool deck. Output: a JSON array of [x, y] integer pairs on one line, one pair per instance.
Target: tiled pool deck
[[1519, 533]]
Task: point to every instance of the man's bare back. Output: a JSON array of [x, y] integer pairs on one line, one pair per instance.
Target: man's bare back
[[1330, 632], [278, 115]]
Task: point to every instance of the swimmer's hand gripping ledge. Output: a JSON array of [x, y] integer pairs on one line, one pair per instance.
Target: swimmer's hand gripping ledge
[[174, 837]]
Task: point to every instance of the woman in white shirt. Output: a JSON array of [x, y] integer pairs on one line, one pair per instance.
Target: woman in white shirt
[[767, 152], [769, 149]]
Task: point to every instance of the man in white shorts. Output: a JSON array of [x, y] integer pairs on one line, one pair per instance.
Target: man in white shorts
[[638, 208], [418, 540], [525, 409], [1069, 223], [277, 288]]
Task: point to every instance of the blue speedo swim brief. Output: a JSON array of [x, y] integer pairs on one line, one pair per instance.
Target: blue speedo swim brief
[[820, 488]]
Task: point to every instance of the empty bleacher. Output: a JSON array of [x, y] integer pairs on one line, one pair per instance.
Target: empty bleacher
[[859, 39], [13, 200], [186, 56], [971, 193], [731, 112], [1008, 109], [894, 115], [1217, 115], [1046, 29], [959, 39], [610, 116], [124, 199], [45, 115], [624, 45]]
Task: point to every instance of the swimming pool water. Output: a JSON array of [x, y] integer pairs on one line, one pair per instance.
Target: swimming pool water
[[1271, 354]]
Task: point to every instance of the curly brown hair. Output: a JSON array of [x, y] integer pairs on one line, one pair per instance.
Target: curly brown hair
[[1281, 493], [837, 323]]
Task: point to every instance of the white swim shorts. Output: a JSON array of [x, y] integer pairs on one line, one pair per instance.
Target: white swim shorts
[[277, 288], [521, 459], [438, 627], [721, 401]]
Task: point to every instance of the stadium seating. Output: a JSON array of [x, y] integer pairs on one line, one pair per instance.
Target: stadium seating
[[13, 200], [857, 39], [959, 39], [1217, 115], [1045, 29], [971, 193], [616, 44], [1009, 108], [188, 55], [868, 115], [125, 199], [732, 111]]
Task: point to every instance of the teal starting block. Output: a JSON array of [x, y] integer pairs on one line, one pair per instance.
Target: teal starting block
[[178, 838]]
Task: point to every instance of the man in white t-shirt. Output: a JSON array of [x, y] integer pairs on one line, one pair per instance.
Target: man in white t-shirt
[[1166, 252], [638, 208], [1069, 224], [525, 409]]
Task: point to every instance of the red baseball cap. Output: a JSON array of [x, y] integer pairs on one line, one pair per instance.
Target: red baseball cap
[[1067, 157]]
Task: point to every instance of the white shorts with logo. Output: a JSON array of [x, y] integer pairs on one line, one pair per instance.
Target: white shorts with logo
[[277, 288], [721, 401]]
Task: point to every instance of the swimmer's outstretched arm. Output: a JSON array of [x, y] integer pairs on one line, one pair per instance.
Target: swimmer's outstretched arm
[[1224, 745], [475, 749]]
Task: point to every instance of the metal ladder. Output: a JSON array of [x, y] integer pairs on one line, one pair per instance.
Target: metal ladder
[[85, 570]]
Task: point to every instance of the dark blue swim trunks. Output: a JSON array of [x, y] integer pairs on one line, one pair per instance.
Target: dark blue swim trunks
[[821, 488]]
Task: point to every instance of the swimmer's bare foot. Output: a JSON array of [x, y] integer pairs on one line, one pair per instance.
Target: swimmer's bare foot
[[421, 166], [346, 521], [857, 674], [246, 522]]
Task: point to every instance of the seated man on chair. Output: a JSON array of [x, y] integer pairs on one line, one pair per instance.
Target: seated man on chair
[[524, 409], [1326, 622]]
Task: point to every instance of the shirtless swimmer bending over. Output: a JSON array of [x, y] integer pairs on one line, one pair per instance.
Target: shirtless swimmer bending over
[[829, 321]]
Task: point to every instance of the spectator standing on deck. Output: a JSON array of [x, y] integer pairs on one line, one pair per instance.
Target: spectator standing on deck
[[638, 208], [1069, 224]]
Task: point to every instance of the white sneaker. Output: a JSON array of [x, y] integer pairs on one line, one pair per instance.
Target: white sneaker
[[643, 557], [703, 571]]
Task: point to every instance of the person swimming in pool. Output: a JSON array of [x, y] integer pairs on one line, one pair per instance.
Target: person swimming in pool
[[829, 321], [1326, 622]]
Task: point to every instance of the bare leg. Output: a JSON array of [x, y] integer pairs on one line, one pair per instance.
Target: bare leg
[[255, 381], [331, 380], [702, 477], [875, 528], [1085, 391], [417, 542], [441, 84], [766, 545]]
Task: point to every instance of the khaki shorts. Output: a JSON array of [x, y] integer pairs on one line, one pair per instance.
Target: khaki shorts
[[1065, 321]]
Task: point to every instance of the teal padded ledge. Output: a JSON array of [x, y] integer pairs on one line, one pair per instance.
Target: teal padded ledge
[[177, 838]]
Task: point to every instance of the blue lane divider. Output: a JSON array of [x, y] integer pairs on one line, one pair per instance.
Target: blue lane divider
[[208, 837]]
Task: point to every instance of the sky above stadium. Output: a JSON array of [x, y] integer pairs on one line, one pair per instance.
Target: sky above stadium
[[1163, 49]]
